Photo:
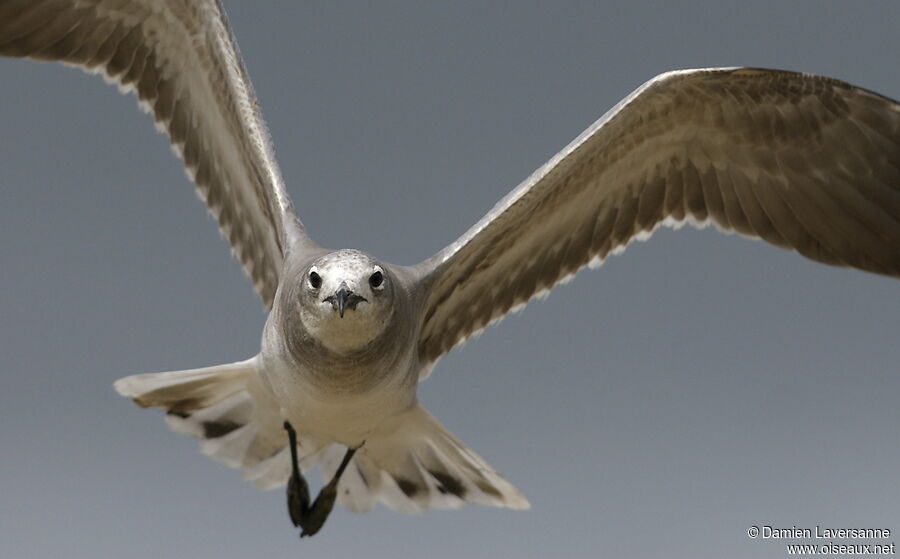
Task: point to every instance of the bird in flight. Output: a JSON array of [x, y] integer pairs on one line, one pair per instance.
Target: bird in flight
[[805, 162]]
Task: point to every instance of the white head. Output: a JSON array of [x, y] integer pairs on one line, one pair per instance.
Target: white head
[[345, 300]]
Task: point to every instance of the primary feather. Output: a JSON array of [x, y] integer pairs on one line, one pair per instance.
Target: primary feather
[[181, 61], [804, 162]]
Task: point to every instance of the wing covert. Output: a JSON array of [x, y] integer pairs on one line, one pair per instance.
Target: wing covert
[[184, 66], [804, 162]]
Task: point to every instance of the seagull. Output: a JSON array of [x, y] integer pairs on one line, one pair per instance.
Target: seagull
[[804, 162]]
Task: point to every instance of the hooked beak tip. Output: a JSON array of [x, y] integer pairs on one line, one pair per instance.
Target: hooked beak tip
[[341, 300], [344, 299]]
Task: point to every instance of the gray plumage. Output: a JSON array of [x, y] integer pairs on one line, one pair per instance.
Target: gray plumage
[[182, 64], [804, 162]]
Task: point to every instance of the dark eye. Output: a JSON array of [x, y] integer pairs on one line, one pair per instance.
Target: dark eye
[[315, 280], [376, 279]]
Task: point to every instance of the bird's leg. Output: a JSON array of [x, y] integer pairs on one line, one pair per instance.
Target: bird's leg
[[310, 518], [315, 516], [297, 490]]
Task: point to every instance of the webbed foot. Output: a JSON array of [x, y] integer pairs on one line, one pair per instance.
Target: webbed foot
[[310, 518]]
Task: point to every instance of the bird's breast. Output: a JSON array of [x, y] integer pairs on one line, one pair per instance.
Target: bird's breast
[[338, 410], [339, 397]]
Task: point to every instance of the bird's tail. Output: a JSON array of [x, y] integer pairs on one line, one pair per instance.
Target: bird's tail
[[412, 463], [230, 409]]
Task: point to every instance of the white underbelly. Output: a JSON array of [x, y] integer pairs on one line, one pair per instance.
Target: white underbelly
[[347, 418]]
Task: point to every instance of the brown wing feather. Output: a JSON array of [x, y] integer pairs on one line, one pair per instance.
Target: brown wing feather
[[804, 162], [180, 59]]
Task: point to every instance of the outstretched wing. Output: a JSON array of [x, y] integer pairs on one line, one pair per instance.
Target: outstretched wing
[[804, 162], [180, 59]]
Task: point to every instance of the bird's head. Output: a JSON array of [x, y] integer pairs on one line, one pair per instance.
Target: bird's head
[[345, 299]]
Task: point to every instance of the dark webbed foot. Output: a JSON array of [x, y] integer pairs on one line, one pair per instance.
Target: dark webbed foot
[[297, 490], [316, 515], [310, 518], [298, 499]]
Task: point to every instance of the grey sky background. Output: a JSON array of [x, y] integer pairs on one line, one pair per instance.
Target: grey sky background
[[694, 386]]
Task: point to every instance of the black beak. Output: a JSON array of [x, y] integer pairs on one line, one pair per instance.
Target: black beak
[[344, 299]]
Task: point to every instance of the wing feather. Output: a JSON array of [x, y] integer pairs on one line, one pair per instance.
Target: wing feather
[[181, 60], [804, 162]]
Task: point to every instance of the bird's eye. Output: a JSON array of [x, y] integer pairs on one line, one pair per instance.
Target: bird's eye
[[315, 280], [376, 280]]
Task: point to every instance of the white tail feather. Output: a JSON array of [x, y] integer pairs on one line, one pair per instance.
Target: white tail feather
[[231, 411], [412, 463], [183, 391]]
